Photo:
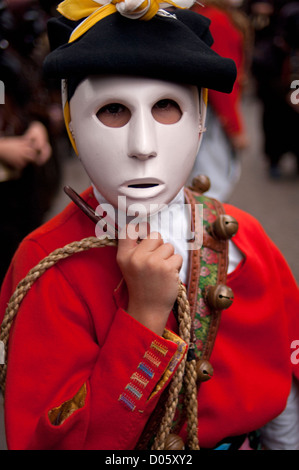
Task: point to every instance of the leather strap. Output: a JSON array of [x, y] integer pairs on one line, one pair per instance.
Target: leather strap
[[202, 340], [198, 281]]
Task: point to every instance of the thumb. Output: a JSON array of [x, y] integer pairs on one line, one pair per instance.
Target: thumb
[[134, 232], [129, 237]]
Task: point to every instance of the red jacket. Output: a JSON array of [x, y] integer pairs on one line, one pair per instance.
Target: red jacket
[[83, 374]]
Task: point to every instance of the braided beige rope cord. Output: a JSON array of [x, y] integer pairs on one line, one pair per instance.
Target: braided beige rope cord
[[25, 284], [179, 378], [190, 378], [190, 374], [185, 373]]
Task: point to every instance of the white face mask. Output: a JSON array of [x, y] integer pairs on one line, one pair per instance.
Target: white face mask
[[136, 137]]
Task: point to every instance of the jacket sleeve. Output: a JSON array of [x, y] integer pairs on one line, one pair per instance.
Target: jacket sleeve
[[66, 391], [290, 294], [282, 433]]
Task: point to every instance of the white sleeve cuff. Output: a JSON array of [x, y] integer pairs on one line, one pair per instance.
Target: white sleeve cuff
[[283, 432]]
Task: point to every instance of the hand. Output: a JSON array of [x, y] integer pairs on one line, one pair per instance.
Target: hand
[[16, 152], [151, 271], [37, 137], [32, 147]]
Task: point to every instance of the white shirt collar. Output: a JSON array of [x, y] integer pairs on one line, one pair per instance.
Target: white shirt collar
[[174, 233]]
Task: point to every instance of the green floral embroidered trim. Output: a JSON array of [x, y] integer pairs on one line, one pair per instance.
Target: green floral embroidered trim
[[209, 267]]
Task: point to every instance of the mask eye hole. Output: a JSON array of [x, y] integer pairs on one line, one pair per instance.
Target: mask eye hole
[[166, 111], [114, 115]]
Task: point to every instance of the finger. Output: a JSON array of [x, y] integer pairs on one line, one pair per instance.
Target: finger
[[23, 160], [128, 242], [141, 230], [29, 154], [165, 251], [175, 262], [153, 241], [43, 154]]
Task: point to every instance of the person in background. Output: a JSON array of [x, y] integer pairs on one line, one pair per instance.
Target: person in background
[[226, 134], [275, 67], [29, 169]]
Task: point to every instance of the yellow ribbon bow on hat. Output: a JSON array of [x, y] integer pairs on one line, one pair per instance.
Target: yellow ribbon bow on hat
[[95, 10]]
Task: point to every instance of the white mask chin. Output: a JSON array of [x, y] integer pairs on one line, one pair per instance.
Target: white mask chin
[[148, 156]]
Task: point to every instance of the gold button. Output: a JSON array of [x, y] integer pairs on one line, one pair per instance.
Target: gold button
[[174, 442], [219, 297], [204, 370], [224, 227], [201, 184]]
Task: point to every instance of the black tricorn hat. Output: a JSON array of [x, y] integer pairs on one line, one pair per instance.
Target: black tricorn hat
[[174, 47]]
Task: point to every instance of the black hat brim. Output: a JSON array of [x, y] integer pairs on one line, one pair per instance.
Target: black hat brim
[[176, 50]]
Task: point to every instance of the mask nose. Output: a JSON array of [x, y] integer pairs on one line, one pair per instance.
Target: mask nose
[[142, 142]]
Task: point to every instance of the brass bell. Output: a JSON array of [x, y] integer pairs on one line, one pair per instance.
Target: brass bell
[[204, 370], [174, 442], [201, 183], [219, 297], [224, 227]]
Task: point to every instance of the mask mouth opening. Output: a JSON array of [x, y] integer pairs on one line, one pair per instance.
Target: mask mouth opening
[[143, 185]]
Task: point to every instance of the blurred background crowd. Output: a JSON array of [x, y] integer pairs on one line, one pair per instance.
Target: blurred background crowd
[[249, 133]]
